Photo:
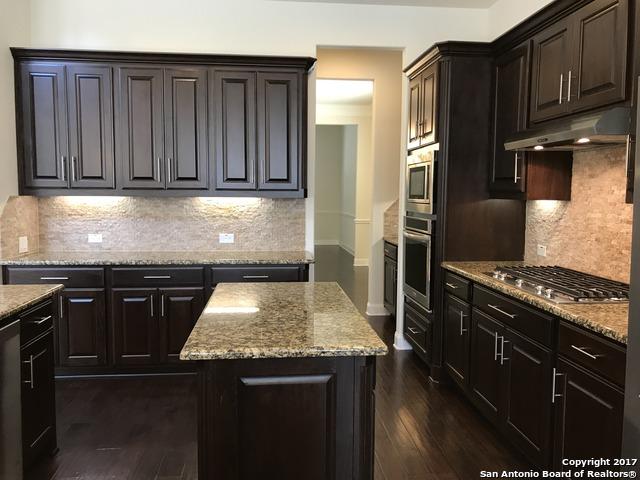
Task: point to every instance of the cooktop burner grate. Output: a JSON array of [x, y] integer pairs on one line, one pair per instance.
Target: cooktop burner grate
[[559, 283]]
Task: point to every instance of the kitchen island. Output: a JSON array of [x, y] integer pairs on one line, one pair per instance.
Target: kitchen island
[[287, 378]]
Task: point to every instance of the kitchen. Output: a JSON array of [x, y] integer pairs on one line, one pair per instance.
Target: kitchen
[[157, 241]]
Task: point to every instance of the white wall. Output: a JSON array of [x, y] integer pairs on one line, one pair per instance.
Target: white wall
[[349, 191], [505, 14], [14, 31], [328, 204]]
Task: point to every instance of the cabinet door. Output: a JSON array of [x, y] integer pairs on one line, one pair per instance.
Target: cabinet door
[[179, 310], [135, 326], [484, 374], [279, 117], [415, 85], [38, 399], [140, 121], [527, 403], [233, 107], [511, 96], [186, 128], [91, 147], [588, 416], [82, 329], [600, 54], [429, 105], [550, 72], [389, 285], [44, 125], [456, 339]]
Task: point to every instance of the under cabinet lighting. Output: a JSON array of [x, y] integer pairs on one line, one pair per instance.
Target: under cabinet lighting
[[538, 147], [90, 201], [584, 140], [210, 310]]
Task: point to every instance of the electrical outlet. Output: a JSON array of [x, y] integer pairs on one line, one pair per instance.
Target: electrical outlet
[[542, 250], [94, 238], [23, 244], [226, 238]]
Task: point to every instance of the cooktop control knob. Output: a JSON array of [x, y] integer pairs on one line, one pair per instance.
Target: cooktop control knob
[[548, 293], [519, 283], [539, 289], [503, 276], [496, 274]]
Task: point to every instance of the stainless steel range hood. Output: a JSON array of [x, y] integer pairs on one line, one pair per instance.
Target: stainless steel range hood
[[609, 127]]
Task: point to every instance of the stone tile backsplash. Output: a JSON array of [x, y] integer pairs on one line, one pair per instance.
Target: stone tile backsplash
[[592, 232], [19, 218]]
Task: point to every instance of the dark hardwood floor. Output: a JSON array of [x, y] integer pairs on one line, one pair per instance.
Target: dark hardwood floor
[[145, 428]]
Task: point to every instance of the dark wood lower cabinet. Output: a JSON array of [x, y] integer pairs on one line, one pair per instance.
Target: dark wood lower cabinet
[[38, 399], [82, 334], [179, 310], [527, 402], [286, 419], [390, 284], [588, 415], [136, 330], [457, 335], [484, 378]]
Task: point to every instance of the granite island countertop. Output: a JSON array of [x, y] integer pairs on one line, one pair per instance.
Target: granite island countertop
[[16, 298], [608, 319], [226, 257], [280, 320]]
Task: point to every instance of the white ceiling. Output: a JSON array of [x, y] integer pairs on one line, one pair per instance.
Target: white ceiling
[[344, 92], [412, 3]]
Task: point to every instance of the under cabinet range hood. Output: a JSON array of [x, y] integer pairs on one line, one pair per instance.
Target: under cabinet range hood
[[609, 127]]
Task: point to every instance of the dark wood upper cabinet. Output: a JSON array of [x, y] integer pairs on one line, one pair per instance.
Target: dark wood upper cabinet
[[423, 107], [510, 112], [600, 54], [588, 416], [580, 62], [91, 125], [180, 309], [82, 333], [135, 326], [233, 107], [141, 130], [43, 115], [527, 404], [550, 72], [457, 335], [185, 113], [278, 130]]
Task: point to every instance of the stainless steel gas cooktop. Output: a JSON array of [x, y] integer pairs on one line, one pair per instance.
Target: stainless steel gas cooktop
[[562, 285]]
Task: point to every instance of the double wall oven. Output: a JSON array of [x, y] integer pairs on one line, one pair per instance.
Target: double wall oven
[[419, 225]]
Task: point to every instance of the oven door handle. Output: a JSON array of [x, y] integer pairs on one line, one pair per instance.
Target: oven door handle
[[426, 239]]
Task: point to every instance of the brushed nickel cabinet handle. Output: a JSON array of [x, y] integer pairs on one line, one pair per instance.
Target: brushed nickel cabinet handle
[[74, 169], [583, 351], [159, 160], [462, 329], [61, 307], [169, 170], [162, 306], [41, 321], [516, 178], [498, 309], [63, 169], [413, 330], [502, 359], [495, 346], [561, 85], [157, 277], [255, 277], [569, 87], [451, 285], [555, 395], [54, 278], [151, 305], [32, 381]]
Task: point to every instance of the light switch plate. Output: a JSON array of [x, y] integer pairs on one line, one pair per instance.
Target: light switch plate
[[23, 244], [542, 250], [226, 238], [94, 238]]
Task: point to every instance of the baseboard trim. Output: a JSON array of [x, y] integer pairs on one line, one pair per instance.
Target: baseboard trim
[[326, 243], [376, 310], [400, 343], [360, 262]]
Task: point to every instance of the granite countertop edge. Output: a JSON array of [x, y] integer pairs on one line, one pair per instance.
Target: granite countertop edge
[[554, 309], [52, 290], [240, 354], [118, 259]]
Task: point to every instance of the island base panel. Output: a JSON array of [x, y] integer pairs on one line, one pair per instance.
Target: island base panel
[[291, 418]]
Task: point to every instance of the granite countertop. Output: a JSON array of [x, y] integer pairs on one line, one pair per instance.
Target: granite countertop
[[15, 298], [159, 258], [390, 239], [608, 319], [280, 320]]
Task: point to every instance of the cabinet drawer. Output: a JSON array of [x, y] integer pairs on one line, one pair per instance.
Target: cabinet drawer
[[417, 329], [69, 277], [149, 277], [391, 251], [36, 321], [533, 324], [457, 286], [603, 357], [275, 273]]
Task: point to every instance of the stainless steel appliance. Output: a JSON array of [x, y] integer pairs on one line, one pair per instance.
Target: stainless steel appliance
[[10, 409], [420, 180], [562, 285], [418, 257]]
